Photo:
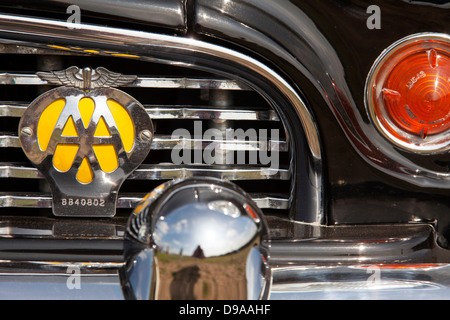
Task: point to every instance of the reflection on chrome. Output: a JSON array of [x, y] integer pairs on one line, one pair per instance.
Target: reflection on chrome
[[195, 226], [378, 281], [225, 207], [197, 239]]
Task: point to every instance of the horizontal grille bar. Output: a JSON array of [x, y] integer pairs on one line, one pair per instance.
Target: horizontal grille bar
[[140, 82], [158, 172], [165, 142], [124, 201], [208, 114], [9, 140], [168, 172], [11, 109]]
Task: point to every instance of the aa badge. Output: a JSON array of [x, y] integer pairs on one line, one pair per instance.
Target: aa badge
[[86, 137]]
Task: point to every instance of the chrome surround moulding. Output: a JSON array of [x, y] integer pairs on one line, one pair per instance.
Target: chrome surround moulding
[[58, 31], [97, 40]]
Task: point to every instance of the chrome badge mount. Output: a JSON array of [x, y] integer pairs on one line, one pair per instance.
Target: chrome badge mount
[[86, 137]]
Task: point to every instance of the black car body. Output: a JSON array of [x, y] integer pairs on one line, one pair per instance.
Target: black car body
[[349, 213]]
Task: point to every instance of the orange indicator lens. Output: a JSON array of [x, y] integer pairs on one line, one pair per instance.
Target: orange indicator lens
[[416, 93], [408, 92]]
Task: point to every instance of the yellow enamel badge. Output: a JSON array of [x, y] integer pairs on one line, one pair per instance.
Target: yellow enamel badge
[[85, 137]]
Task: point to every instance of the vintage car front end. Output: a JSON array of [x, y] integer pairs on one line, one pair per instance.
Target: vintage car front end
[[226, 149]]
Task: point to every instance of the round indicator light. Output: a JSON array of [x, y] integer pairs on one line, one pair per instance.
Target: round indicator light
[[408, 93]]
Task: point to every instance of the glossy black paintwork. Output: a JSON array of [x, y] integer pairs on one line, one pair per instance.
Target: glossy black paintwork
[[327, 50]]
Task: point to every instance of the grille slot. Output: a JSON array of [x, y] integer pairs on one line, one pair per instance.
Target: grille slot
[[175, 98]]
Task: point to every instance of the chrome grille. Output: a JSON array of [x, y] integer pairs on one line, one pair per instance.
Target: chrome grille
[[175, 98]]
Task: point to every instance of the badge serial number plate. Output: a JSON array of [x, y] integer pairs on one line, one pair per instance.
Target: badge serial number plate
[[84, 202]]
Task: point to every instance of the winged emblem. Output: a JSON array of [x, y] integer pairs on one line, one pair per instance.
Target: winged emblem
[[86, 78]]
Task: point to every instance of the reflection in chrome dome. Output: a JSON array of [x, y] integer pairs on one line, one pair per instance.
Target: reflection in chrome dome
[[202, 240], [194, 226]]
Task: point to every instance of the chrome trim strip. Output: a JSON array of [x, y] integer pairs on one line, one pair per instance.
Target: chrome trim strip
[[175, 112], [140, 82], [33, 200], [168, 171], [165, 142]]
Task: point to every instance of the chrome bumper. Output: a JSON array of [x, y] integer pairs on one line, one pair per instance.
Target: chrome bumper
[[362, 282], [392, 262], [416, 282]]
